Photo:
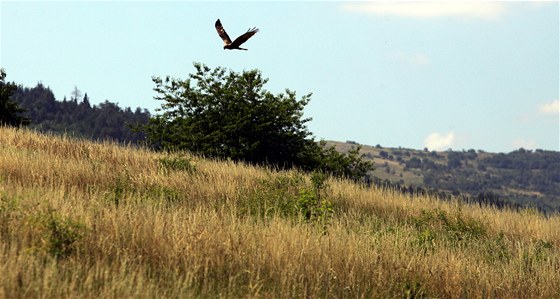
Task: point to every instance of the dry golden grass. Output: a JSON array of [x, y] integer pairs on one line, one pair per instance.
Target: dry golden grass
[[80, 219]]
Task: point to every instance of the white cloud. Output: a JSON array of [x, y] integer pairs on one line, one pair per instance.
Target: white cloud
[[411, 58], [437, 141], [465, 9], [552, 107]]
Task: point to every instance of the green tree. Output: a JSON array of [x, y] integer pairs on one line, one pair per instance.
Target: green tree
[[224, 114], [10, 110], [350, 165]]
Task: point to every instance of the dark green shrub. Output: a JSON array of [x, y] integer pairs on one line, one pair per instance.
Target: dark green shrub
[[177, 164], [59, 235]]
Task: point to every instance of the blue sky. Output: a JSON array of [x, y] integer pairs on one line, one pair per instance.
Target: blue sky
[[460, 75]]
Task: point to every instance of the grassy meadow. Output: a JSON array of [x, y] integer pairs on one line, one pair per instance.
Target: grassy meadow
[[80, 219]]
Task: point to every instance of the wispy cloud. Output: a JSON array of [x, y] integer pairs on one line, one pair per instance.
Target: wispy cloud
[[411, 58], [461, 9], [544, 111], [437, 141], [552, 107]]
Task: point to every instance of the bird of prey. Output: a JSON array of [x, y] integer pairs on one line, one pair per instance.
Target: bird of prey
[[228, 44]]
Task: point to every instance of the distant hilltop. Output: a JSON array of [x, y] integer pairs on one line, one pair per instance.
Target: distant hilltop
[[525, 177]]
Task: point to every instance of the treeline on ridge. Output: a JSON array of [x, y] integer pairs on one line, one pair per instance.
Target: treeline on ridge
[[529, 178], [78, 117]]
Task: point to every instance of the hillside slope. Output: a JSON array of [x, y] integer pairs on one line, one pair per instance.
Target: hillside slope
[[86, 220], [527, 178]]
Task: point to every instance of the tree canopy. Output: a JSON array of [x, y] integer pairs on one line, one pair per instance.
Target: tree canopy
[[10, 112], [78, 117], [225, 114]]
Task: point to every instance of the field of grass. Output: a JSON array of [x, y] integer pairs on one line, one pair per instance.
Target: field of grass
[[94, 220]]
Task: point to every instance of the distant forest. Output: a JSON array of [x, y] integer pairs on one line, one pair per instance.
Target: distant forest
[[522, 178], [78, 117], [529, 178]]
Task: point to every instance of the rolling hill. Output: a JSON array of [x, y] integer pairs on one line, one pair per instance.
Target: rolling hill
[[83, 219], [527, 178]]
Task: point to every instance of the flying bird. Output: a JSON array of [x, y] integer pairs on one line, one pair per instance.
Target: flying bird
[[228, 44]]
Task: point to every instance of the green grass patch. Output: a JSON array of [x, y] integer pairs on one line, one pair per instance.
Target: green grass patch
[[177, 163], [455, 229], [57, 235]]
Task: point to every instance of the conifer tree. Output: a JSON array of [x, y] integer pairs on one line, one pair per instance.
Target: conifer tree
[[10, 112]]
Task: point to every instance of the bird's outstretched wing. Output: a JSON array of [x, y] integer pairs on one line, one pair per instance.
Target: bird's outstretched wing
[[244, 37], [222, 33]]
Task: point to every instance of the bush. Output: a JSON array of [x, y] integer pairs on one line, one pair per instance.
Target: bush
[[58, 235], [177, 164], [228, 115]]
